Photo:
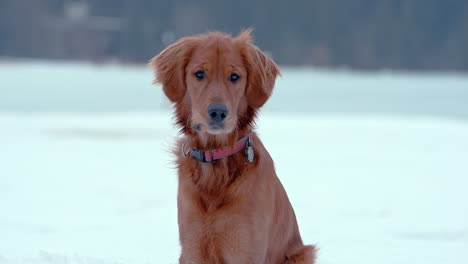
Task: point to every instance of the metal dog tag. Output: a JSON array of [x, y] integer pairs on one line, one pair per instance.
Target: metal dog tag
[[250, 154]]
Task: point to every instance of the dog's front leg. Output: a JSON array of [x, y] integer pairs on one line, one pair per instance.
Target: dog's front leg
[[191, 231], [241, 239]]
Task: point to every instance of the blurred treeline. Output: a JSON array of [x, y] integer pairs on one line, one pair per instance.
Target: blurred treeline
[[363, 34]]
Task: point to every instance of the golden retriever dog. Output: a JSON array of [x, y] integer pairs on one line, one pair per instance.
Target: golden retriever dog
[[232, 208]]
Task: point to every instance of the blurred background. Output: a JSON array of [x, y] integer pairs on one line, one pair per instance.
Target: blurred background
[[358, 34], [373, 100]]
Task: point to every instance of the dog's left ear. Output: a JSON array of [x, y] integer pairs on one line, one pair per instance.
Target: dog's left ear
[[262, 72], [169, 68]]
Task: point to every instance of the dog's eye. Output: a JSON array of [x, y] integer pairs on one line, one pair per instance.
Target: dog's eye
[[200, 75], [234, 77]]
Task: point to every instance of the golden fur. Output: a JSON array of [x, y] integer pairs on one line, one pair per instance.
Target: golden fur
[[231, 210]]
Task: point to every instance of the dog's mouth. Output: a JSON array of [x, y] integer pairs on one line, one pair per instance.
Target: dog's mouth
[[216, 126], [212, 128]]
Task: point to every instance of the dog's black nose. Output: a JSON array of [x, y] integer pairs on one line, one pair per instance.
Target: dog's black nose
[[217, 112]]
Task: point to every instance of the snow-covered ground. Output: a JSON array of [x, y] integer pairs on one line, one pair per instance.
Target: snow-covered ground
[[379, 175]]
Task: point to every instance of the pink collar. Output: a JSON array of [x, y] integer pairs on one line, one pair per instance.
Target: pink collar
[[216, 154]]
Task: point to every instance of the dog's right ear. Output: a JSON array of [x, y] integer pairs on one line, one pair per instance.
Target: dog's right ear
[[169, 68]]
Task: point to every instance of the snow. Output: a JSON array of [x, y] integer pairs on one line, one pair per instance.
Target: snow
[[86, 175]]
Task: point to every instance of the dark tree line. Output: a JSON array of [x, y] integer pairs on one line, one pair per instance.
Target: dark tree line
[[363, 34]]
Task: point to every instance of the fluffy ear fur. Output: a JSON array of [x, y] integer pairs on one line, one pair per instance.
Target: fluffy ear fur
[[261, 70], [169, 67]]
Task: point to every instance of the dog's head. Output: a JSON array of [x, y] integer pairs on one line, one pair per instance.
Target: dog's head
[[217, 82]]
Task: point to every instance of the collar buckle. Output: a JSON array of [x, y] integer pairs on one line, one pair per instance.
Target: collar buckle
[[198, 154]]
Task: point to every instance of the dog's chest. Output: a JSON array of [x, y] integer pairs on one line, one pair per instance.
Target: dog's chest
[[225, 236]]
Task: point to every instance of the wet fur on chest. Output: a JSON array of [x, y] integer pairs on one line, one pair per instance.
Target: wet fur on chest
[[215, 182], [214, 190]]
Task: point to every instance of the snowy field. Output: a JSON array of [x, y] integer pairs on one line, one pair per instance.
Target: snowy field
[[380, 175]]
